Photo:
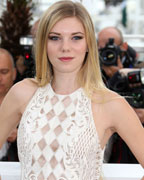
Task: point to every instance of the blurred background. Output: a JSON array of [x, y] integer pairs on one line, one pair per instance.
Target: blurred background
[[18, 25], [127, 15], [18, 16]]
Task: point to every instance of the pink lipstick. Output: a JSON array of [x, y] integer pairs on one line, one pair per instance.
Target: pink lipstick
[[65, 59]]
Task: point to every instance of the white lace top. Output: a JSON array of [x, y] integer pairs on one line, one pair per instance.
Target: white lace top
[[57, 138]]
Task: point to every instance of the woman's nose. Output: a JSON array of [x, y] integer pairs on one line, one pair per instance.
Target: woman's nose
[[65, 45]]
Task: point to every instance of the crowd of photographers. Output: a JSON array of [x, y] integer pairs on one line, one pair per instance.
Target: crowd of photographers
[[118, 63], [120, 73]]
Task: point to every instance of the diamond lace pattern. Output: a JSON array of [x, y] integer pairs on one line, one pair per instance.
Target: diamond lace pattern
[[57, 138]]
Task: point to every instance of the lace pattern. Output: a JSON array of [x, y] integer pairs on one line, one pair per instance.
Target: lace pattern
[[24, 140], [57, 138], [83, 152]]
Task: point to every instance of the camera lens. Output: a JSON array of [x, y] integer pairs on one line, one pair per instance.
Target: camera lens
[[109, 54], [109, 57]]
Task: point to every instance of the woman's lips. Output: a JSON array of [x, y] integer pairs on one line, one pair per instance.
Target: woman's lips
[[65, 58]]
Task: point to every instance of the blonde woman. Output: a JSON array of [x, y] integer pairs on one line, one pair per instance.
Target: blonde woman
[[66, 115]]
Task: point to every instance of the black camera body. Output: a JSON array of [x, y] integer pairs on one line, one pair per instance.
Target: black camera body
[[124, 86], [27, 52], [136, 76], [135, 97], [109, 54]]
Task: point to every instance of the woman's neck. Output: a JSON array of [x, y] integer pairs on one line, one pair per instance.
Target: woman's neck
[[65, 85]]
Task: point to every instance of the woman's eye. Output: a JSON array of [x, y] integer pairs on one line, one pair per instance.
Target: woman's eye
[[54, 38], [77, 37]]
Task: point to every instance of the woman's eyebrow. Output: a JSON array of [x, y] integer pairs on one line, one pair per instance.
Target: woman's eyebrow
[[54, 33], [77, 33], [74, 33]]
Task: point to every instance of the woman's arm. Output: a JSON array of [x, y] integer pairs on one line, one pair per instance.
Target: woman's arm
[[13, 107], [127, 124], [9, 113], [140, 113]]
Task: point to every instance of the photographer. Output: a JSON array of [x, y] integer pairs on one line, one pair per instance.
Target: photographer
[[122, 55], [115, 56]]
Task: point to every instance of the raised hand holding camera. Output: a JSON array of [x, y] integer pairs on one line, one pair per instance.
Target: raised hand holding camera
[[111, 52]]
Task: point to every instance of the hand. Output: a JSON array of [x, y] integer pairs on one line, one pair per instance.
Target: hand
[[12, 137], [140, 113], [111, 70]]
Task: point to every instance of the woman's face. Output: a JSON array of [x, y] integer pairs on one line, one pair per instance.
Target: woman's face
[[66, 45]]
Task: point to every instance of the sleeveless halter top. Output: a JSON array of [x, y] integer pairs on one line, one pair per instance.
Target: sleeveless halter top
[[57, 138]]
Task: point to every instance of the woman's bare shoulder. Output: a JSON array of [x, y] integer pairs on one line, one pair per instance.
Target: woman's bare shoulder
[[114, 98], [26, 86], [114, 105], [28, 82], [23, 91], [106, 96]]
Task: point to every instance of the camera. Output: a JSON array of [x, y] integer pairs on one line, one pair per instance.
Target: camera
[[136, 76], [109, 54], [135, 97], [27, 49], [123, 86]]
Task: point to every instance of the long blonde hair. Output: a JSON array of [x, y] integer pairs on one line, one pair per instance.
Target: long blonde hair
[[89, 76]]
